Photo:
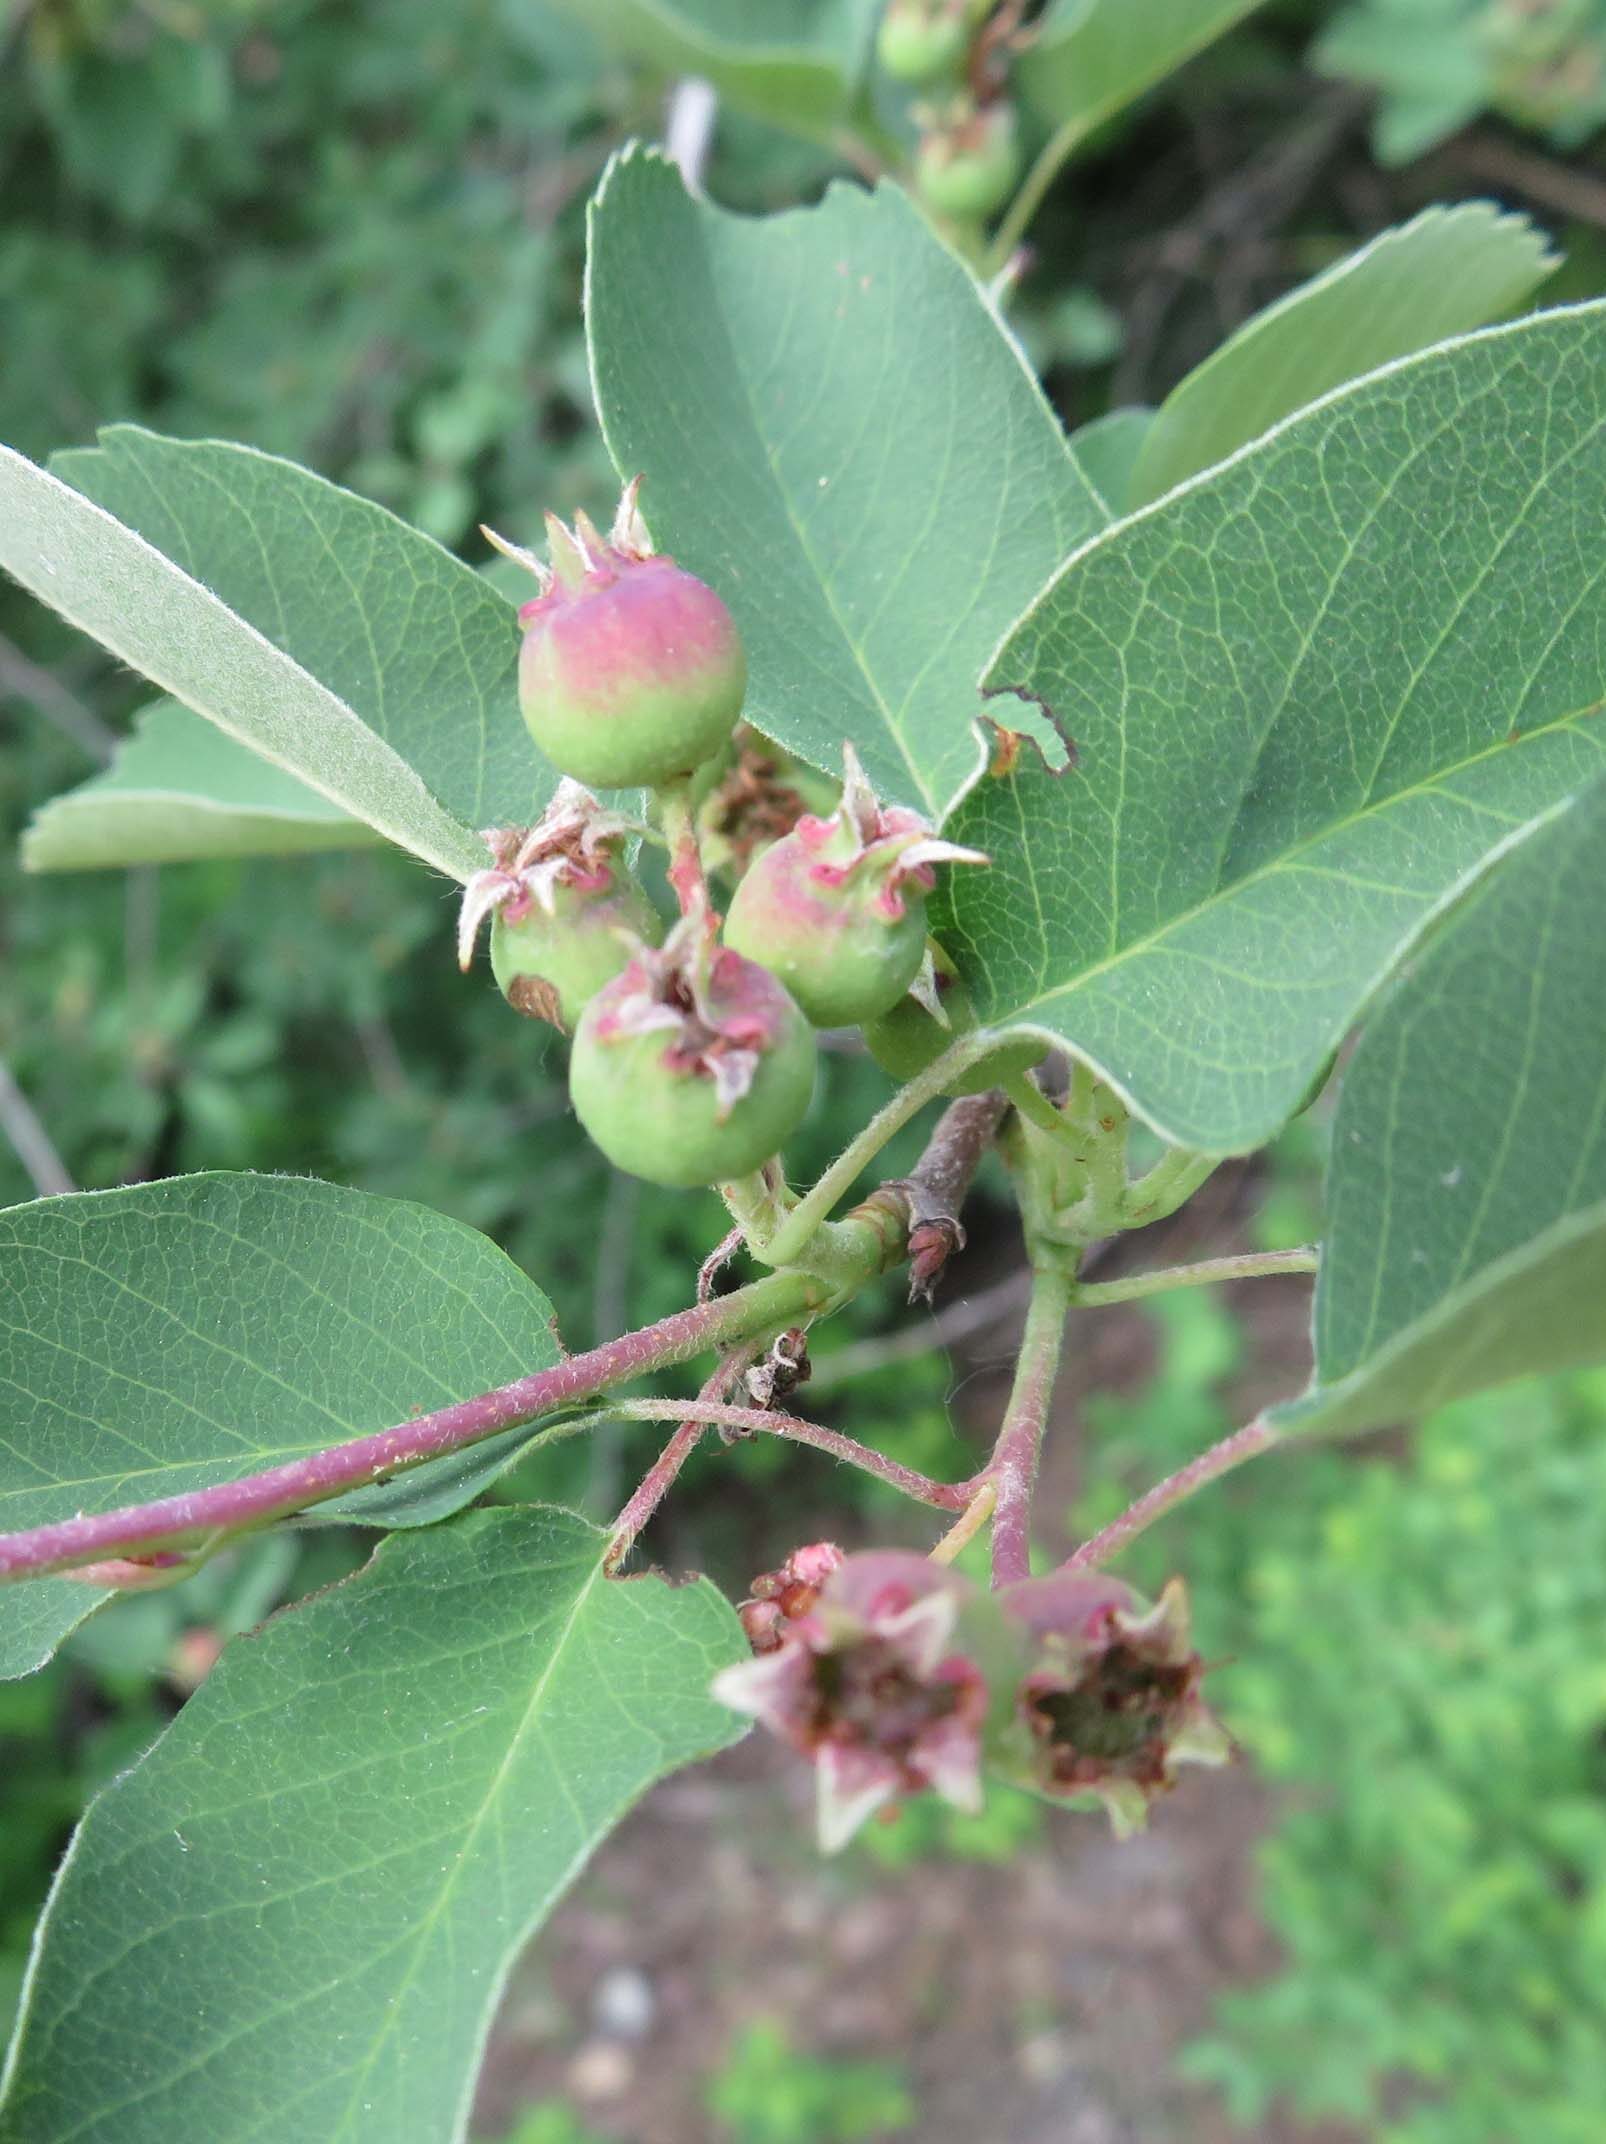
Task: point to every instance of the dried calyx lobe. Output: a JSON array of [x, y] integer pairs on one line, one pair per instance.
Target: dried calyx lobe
[[1110, 1704], [837, 908], [871, 1673], [693, 1065], [631, 672], [564, 907], [751, 796], [894, 1675]]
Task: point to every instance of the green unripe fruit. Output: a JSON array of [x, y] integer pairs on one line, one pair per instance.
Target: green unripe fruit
[[550, 963], [923, 41], [969, 170], [632, 671], [837, 907], [693, 1066], [563, 905], [907, 1039]]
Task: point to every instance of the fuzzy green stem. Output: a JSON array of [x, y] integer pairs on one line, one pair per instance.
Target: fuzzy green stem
[[793, 1235], [1029, 196], [966, 1527], [1033, 1104], [1248, 1267], [1013, 1467], [1173, 1180], [1261, 1435]]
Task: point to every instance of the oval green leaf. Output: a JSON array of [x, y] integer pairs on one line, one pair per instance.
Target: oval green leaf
[[170, 1336], [1447, 270], [838, 434], [293, 1918], [1314, 692], [1467, 1189]]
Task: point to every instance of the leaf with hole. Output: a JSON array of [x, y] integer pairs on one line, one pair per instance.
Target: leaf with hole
[[1314, 693]]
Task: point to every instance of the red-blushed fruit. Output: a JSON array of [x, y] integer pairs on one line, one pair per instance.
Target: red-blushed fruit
[[632, 671], [837, 908], [564, 908], [968, 169], [926, 41], [693, 1065], [1110, 1705], [912, 1035]]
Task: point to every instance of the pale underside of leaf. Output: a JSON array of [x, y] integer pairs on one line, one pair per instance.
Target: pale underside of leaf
[[1315, 692], [1467, 1186], [124, 593], [294, 1917], [837, 433], [179, 789], [1444, 272]]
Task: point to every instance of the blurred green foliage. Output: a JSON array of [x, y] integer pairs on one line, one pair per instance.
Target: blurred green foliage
[[767, 2092], [1438, 63], [1413, 1648]]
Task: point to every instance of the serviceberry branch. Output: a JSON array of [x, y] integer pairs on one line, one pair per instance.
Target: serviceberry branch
[[1249, 1266], [1247, 1443], [1013, 1467], [766, 1305], [943, 1496], [873, 1239]]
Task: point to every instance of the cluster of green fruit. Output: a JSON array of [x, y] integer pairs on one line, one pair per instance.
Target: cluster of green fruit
[[693, 1056], [968, 158]]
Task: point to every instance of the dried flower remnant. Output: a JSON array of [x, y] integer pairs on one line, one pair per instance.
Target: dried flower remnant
[[1110, 1705], [563, 904], [874, 1684]]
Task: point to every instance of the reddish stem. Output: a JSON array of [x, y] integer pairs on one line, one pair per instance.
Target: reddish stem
[[942, 1495], [1013, 1467], [656, 1484], [685, 872], [1257, 1436], [766, 1305]]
